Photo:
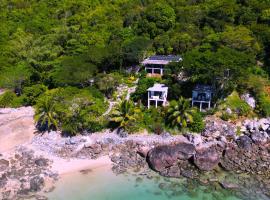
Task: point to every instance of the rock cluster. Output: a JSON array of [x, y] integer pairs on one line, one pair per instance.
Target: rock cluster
[[257, 130], [219, 145], [24, 174]]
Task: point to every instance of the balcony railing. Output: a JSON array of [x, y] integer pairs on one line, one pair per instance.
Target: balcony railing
[[201, 99], [156, 97]]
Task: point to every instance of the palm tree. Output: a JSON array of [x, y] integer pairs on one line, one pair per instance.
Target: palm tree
[[124, 114], [45, 115], [180, 113]]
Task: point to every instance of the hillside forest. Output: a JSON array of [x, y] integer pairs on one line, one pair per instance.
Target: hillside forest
[[67, 58]]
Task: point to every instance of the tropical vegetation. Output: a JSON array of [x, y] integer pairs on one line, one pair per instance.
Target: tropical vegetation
[[68, 58]]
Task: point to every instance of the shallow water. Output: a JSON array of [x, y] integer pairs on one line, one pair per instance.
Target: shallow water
[[103, 184]]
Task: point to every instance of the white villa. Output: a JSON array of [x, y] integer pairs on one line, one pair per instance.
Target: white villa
[[202, 95], [154, 65], [157, 94]]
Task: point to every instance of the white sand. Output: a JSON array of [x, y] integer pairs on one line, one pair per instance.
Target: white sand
[[64, 166]]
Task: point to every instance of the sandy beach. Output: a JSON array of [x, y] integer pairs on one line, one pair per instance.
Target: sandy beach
[[64, 166]]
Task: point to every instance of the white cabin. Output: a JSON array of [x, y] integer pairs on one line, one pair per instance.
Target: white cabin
[[157, 94]]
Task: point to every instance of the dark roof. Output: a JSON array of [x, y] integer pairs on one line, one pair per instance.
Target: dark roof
[[203, 88], [171, 58]]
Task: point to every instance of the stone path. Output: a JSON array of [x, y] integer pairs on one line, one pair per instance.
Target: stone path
[[121, 91]]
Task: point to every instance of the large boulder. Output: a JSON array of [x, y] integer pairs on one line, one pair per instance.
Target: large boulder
[[162, 157], [206, 158]]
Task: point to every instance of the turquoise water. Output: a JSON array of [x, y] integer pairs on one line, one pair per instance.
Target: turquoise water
[[103, 184]]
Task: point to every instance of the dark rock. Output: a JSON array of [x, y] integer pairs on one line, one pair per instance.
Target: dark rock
[[244, 142], [3, 180], [41, 162], [36, 183], [3, 164], [122, 133], [162, 157], [227, 185], [206, 159]]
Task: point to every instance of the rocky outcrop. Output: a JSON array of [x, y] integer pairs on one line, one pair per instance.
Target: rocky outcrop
[[257, 129], [23, 174], [249, 152]]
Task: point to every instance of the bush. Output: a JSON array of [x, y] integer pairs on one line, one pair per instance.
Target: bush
[[237, 106], [7, 99], [263, 104], [198, 124], [30, 94], [153, 120]]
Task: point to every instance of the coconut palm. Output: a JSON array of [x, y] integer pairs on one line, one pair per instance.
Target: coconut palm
[[124, 114], [45, 115], [180, 113]]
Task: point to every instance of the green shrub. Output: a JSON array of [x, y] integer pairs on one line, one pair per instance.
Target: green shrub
[[7, 99], [198, 124], [153, 120], [96, 126], [237, 106], [263, 104], [30, 94], [17, 102]]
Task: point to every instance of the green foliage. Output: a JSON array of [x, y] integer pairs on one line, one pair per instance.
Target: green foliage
[[74, 71], [237, 107], [179, 114], [71, 109], [125, 115], [14, 77], [258, 84], [31, 93], [67, 43], [107, 83], [263, 101], [154, 120], [198, 124], [205, 66], [46, 116], [7, 99]]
